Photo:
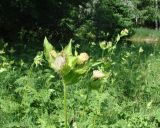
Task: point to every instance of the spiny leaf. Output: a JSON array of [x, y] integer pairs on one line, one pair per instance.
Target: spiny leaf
[[47, 50], [68, 49], [72, 60]]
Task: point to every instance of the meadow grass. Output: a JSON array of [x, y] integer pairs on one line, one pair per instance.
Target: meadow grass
[[32, 96], [145, 35]]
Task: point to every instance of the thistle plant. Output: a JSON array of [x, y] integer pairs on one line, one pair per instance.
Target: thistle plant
[[70, 67]]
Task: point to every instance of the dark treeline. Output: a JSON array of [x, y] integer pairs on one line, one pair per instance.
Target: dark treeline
[[83, 20]]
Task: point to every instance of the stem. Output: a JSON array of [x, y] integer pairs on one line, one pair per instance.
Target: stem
[[103, 53], [65, 103]]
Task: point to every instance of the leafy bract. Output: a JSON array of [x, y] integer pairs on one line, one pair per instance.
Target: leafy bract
[[47, 50], [68, 49], [68, 69]]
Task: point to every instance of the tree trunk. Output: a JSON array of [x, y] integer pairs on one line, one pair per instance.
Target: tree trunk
[[156, 19]]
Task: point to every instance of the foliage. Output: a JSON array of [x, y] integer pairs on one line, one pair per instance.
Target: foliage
[[29, 21], [113, 84], [111, 15], [145, 35], [128, 96]]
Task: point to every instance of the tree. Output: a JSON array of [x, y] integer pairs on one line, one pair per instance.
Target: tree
[[113, 15]]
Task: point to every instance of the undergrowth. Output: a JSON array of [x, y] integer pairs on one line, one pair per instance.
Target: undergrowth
[[145, 35], [31, 95]]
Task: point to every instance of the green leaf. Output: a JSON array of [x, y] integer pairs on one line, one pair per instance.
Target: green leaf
[[71, 78], [118, 38], [81, 71], [66, 69], [47, 49], [68, 49], [157, 115], [9, 106], [72, 60], [71, 63]]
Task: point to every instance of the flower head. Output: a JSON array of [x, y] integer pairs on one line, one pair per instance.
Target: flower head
[[82, 58], [58, 63], [141, 50], [98, 74], [103, 45], [124, 32]]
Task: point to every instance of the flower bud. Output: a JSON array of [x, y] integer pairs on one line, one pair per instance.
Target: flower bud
[[97, 74], [103, 45], [82, 58], [53, 53], [124, 32], [141, 50]]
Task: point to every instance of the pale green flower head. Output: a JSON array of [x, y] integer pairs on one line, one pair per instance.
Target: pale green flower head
[[103, 45], [124, 32], [141, 50], [69, 66], [97, 74]]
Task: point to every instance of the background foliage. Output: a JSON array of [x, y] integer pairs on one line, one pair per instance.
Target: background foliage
[[31, 94], [60, 20]]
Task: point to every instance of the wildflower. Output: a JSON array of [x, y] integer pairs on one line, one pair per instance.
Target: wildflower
[[74, 125], [93, 43], [109, 44], [98, 74], [103, 45], [141, 50], [83, 57], [59, 62], [124, 32]]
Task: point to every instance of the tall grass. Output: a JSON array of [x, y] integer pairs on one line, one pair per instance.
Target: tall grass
[[32, 94], [146, 35]]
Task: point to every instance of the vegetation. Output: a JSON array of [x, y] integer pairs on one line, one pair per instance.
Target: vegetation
[[127, 95], [79, 64], [30, 21], [145, 35]]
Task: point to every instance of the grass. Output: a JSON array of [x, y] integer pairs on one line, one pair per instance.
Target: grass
[[146, 35], [31, 94]]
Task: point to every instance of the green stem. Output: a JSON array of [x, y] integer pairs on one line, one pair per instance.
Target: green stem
[[65, 103], [103, 53]]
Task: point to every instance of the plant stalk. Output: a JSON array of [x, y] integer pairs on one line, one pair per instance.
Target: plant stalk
[[65, 103]]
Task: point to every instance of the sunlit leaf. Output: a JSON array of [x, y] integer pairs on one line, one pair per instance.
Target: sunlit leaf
[[68, 49], [47, 50]]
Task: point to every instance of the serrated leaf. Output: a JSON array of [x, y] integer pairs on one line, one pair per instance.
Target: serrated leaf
[[47, 50], [68, 49], [72, 60], [9, 106]]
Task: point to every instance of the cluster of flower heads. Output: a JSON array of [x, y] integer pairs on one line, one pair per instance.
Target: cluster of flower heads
[[65, 62]]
